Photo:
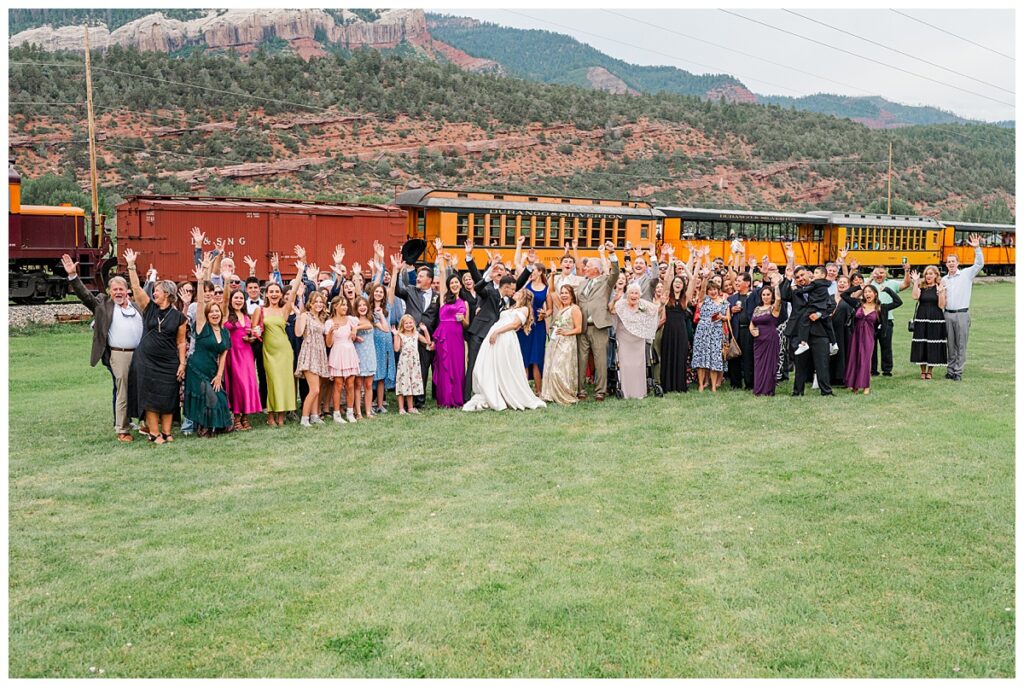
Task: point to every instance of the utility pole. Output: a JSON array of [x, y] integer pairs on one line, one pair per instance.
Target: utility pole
[[92, 143], [888, 207]]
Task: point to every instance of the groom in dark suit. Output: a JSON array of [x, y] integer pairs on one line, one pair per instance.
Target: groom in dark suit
[[424, 305], [494, 295]]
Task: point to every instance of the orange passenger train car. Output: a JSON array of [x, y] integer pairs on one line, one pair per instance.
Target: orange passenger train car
[[496, 220]]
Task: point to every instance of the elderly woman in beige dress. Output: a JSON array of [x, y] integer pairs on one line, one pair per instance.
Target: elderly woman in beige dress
[[561, 372], [636, 323]]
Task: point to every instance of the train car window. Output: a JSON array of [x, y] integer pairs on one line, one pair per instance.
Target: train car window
[[620, 232], [461, 228], [644, 233], [526, 230], [556, 231], [421, 223], [532, 199], [817, 233], [479, 237], [542, 231], [494, 222], [463, 195], [510, 230], [498, 197]]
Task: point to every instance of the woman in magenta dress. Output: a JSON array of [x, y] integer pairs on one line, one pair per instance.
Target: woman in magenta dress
[[764, 330], [868, 312], [450, 344], [242, 384]]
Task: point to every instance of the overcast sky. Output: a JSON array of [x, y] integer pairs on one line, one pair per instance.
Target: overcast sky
[[658, 41]]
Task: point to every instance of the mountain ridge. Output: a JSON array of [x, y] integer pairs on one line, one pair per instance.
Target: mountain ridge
[[473, 45]]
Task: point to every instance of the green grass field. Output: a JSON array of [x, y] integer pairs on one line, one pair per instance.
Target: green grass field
[[697, 535]]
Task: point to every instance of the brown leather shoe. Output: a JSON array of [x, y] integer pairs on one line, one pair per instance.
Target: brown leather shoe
[[125, 438], [582, 397], [598, 397]]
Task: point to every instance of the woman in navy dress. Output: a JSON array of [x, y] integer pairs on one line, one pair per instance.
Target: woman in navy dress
[[532, 344]]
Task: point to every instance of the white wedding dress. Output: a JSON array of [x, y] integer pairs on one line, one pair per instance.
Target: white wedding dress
[[499, 377]]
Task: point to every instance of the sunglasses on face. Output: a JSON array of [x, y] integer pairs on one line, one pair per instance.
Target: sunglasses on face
[[218, 293]]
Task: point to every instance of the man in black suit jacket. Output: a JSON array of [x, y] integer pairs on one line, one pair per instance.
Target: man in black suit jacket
[[492, 298], [741, 309], [815, 361], [113, 341], [424, 305]]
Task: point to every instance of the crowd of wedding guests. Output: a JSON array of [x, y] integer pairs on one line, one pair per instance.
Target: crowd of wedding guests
[[336, 343]]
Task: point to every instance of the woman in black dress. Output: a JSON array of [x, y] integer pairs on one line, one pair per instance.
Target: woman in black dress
[[163, 349], [842, 320], [928, 346], [675, 339]]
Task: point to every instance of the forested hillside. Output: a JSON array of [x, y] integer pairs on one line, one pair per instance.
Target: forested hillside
[[551, 57], [368, 123]]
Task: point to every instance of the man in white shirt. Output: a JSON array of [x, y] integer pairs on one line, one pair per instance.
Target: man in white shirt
[[117, 331], [958, 283]]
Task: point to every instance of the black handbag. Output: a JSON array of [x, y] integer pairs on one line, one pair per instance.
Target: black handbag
[[910, 322]]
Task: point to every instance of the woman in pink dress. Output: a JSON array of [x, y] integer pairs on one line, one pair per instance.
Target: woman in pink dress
[[450, 344], [242, 384], [343, 360]]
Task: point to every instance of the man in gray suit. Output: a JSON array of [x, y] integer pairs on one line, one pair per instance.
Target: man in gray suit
[[116, 333], [593, 299]]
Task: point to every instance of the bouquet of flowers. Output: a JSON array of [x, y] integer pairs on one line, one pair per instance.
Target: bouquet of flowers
[[562, 320]]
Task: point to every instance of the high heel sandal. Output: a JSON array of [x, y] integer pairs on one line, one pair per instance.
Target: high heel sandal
[[245, 423], [237, 425], [167, 438]]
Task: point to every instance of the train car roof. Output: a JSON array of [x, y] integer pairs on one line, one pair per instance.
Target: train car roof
[[982, 226], [858, 219], [52, 210], [756, 216], [419, 198], [327, 207], [416, 195]]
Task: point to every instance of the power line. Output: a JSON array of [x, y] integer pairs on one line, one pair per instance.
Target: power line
[[950, 33], [863, 57], [898, 52], [739, 52], [639, 47]]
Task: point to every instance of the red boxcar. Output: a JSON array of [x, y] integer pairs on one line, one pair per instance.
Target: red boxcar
[[159, 229]]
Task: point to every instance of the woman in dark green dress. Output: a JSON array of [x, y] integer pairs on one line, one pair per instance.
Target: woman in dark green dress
[[206, 402]]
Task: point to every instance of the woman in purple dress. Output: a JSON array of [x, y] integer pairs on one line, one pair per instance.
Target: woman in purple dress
[[242, 383], [450, 344], [868, 312], [764, 330]]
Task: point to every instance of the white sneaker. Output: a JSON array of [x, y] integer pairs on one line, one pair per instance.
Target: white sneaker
[[338, 418], [802, 348], [315, 420], [305, 421], [350, 416], [833, 349]]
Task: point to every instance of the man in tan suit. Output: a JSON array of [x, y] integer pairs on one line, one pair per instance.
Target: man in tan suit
[[593, 296]]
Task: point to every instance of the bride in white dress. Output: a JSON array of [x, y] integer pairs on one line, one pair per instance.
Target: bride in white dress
[[499, 378]]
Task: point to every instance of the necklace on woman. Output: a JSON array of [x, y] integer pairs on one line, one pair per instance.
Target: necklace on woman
[[160, 322]]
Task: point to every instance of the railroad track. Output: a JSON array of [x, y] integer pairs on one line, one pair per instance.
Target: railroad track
[[61, 312]]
